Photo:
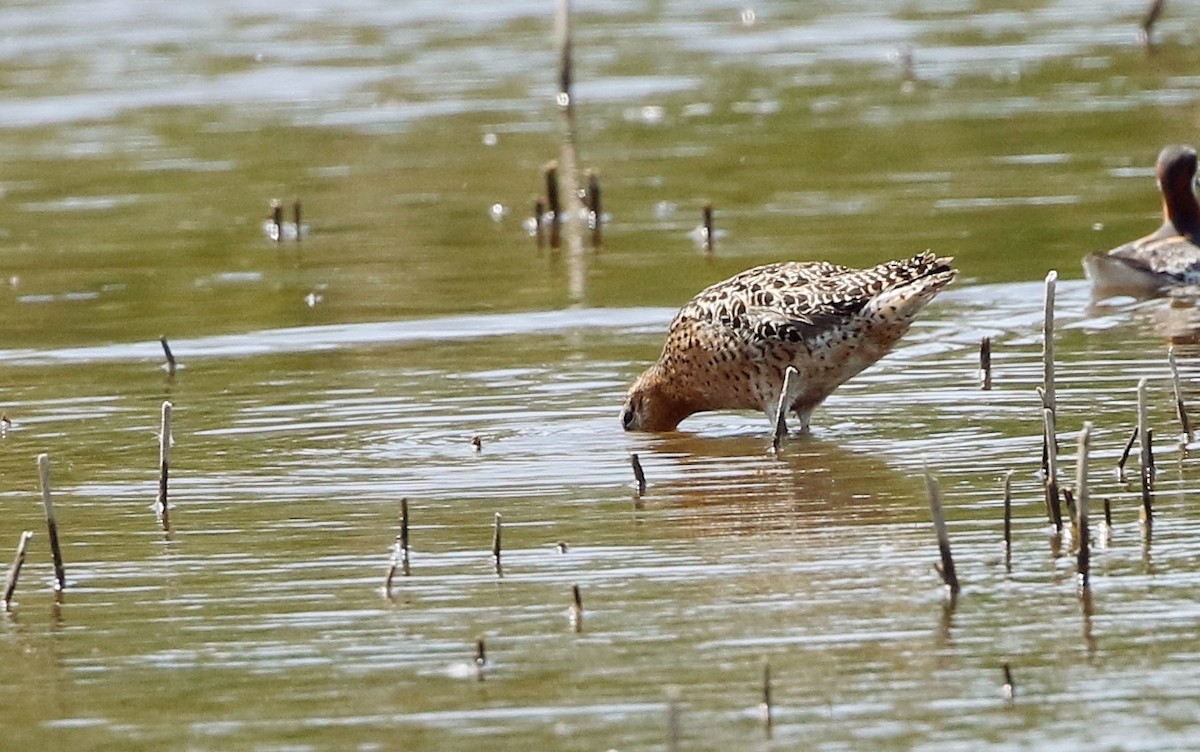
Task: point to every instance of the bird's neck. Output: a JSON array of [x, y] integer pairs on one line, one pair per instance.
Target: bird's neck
[[672, 402], [1181, 211]]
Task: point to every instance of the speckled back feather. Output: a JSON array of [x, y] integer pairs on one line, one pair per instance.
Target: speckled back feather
[[793, 301]]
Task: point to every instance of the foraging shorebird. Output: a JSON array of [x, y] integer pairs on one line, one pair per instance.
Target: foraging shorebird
[[1169, 256], [729, 347]]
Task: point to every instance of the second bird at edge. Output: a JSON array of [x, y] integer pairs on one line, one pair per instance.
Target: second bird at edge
[[1169, 257]]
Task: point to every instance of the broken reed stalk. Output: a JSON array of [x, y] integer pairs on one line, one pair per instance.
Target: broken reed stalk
[[1068, 498], [480, 657], [393, 565], [1048, 393], [1146, 463], [539, 210], [789, 375], [985, 364], [594, 208], [1133, 436], [1008, 476], [1180, 409], [60, 575], [1081, 499], [164, 465], [402, 539], [638, 474], [576, 608], [1148, 21], [1053, 502], [399, 551], [10, 584], [708, 227], [1150, 455], [553, 205], [562, 43], [169, 355], [767, 707], [1010, 686], [939, 523], [1048, 342], [276, 220], [496, 542], [296, 217]]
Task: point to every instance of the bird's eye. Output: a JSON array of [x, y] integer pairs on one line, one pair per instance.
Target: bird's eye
[[627, 418]]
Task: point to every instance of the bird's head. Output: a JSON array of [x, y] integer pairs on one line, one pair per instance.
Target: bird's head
[[651, 404]]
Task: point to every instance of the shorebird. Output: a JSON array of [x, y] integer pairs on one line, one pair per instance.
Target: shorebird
[[729, 347], [1169, 256]]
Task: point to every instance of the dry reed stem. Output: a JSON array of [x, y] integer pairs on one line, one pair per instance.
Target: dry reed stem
[[563, 46], [1148, 21], [391, 571], [708, 228], [1081, 499], [539, 210], [10, 583], [767, 707], [276, 220], [1180, 409], [1068, 497], [553, 205], [1133, 436], [576, 608], [496, 532], [164, 465], [60, 575], [638, 474], [1049, 396], [985, 364], [1053, 501], [480, 657], [595, 210], [402, 539], [949, 576], [1146, 464], [1008, 476], [171, 365]]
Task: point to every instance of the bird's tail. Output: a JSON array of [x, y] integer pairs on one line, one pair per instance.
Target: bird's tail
[[907, 285]]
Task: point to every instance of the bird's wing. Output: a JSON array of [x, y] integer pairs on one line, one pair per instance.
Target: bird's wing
[[1174, 256]]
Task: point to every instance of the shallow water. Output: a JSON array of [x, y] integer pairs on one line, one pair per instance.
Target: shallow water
[[324, 380]]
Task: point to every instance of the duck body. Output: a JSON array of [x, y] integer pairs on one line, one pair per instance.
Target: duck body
[[1167, 258], [729, 347]]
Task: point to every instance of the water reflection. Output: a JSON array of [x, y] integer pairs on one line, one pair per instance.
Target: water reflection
[[736, 486]]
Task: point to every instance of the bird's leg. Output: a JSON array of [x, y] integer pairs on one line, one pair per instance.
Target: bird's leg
[[804, 414]]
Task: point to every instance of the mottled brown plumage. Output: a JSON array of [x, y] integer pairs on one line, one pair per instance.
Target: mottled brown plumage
[[1167, 258], [728, 348]]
